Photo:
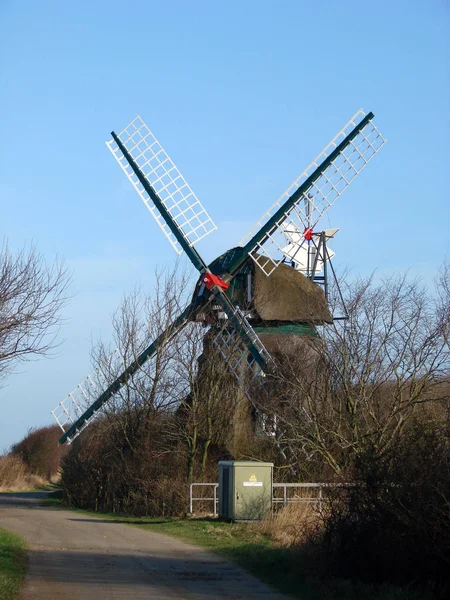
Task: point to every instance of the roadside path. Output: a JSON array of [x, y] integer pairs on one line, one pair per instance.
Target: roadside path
[[78, 557]]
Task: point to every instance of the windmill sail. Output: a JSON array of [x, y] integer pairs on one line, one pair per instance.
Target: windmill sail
[[184, 221], [160, 172], [82, 405], [237, 340], [315, 190]]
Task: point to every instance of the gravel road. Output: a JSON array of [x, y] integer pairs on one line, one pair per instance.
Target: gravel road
[[78, 557]]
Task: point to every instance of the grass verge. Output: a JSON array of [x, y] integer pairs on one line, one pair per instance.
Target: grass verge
[[287, 569], [12, 564]]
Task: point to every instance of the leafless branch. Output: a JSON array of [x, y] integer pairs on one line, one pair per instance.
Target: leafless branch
[[32, 295]]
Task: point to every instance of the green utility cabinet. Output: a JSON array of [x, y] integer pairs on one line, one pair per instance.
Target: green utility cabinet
[[245, 489]]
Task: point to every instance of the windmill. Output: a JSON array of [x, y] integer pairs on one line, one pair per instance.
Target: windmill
[[283, 250]]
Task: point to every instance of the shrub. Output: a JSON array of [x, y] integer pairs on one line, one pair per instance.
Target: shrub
[[394, 525], [40, 451], [15, 475], [119, 475]]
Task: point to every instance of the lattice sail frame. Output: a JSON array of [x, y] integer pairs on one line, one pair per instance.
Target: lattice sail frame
[[79, 400], [236, 354], [75, 404], [321, 194], [166, 180]]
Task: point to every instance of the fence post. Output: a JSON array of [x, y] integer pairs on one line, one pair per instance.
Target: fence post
[[215, 500], [285, 495], [190, 499]]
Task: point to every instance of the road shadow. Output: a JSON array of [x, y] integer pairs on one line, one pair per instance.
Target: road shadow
[[117, 521], [23, 498], [143, 574]]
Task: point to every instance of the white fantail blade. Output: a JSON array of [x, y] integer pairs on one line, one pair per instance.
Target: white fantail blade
[[166, 180], [297, 250], [292, 233], [327, 185], [329, 233], [303, 257], [297, 254]]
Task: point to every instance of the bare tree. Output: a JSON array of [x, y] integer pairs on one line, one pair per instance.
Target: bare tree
[[206, 411], [153, 388], [357, 387], [186, 385], [32, 295], [159, 427], [133, 455], [443, 301]]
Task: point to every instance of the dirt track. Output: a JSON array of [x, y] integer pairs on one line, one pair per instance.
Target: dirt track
[[76, 557]]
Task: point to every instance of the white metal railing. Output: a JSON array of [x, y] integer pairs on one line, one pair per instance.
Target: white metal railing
[[286, 498], [318, 499], [214, 499]]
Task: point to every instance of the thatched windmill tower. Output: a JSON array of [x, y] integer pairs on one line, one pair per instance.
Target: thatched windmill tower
[[284, 310]]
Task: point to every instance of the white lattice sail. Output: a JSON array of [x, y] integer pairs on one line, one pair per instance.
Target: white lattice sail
[[320, 194], [89, 390], [166, 180], [235, 352], [75, 404]]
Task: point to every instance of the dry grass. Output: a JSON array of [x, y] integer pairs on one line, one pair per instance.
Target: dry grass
[[15, 476], [292, 525]]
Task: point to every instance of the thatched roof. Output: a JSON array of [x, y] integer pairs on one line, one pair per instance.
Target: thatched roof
[[287, 295]]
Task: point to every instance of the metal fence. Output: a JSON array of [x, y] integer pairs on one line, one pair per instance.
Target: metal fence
[[283, 493], [214, 499], [290, 493]]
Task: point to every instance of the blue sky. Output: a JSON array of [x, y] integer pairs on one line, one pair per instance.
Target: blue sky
[[243, 95]]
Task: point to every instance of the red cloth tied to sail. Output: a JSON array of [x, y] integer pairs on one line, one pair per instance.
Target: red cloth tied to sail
[[210, 280]]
